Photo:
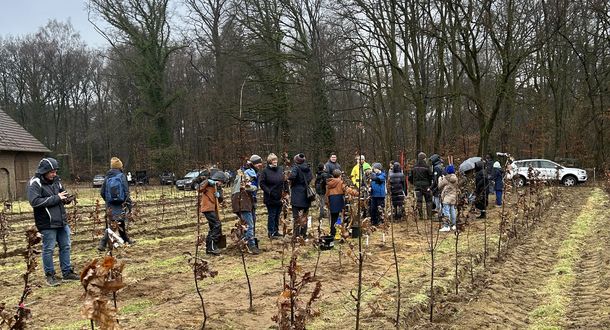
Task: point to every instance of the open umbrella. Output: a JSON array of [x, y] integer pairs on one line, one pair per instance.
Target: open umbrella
[[469, 164]]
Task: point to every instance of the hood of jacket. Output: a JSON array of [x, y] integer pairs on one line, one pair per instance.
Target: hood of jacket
[[333, 183], [46, 165], [452, 178]]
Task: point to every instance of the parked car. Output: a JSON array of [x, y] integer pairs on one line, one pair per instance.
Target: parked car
[[167, 178], [141, 178], [186, 183], [547, 170], [98, 180]]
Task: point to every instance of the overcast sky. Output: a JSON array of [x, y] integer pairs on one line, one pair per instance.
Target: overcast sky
[[20, 17]]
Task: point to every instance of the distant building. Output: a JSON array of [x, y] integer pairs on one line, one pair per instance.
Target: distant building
[[20, 154]]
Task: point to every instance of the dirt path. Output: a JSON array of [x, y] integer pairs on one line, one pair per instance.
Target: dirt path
[[590, 296], [556, 277]]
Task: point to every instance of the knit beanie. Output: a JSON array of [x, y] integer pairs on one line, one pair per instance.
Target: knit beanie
[[421, 156], [377, 166], [116, 163], [299, 158], [450, 169], [497, 165], [256, 159], [396, 168]]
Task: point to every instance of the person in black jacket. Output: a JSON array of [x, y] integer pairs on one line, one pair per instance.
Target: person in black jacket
[[47, 197], [273, 184], [481, 184], [421, 177], [300, 177], [321, 177], [117, 209], [398, 190]]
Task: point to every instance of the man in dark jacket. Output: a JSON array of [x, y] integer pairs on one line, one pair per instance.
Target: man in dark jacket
[[273, 184], [321, 177], [47, 197], [115, 192], [398, 190], [421, 177], [481, 188], [300, 177], [331, 165]]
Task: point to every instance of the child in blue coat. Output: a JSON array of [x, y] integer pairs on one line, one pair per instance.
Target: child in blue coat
[[378, 192]]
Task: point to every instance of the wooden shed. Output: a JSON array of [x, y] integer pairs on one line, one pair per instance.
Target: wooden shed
[[20, 154]]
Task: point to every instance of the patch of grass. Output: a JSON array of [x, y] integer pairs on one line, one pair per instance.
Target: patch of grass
[[551, 313], [420, 298], [136, 307]]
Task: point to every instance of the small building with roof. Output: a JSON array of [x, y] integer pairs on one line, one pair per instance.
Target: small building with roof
[[20, 154]]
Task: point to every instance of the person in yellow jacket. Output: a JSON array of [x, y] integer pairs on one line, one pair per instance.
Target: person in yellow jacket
[[358, 175]]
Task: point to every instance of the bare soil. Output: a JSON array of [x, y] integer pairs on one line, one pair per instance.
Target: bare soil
[[160, 292]]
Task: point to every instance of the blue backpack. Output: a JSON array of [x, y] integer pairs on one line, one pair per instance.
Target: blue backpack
[[115, 190]]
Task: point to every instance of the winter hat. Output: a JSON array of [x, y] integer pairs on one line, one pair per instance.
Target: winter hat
[[497, 165], [299, 158], [421, 156], [377, 166], [256, 159], [450, 169], [116, 163], [47, 165]]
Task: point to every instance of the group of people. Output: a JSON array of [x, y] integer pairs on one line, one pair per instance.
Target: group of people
[[433, 183]]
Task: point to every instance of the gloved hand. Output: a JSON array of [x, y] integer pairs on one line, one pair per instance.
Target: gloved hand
[[217, 194]]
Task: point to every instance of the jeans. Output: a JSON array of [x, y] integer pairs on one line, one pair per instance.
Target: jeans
[[273, 219], [249, 234], [376, 202], [50, 237], [450, 211], [211, 241], [300, 224], [499, 197]]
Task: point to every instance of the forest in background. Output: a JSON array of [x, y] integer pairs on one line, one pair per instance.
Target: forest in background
[[185, 83]]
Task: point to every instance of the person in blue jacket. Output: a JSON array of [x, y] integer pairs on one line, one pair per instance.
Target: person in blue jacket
[[378, 192], [498, 176], [118, 201]]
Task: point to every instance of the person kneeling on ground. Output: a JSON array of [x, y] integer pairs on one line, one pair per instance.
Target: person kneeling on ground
[[47, 198], [336, 190], [210, 195], [448, 185]]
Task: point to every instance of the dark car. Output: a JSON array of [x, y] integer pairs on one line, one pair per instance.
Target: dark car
[[167, 178], [186, 183], [98, 180]]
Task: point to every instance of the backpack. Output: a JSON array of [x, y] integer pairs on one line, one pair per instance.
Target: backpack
[[115, 190]]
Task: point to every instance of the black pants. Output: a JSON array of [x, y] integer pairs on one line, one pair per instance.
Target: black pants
[[211, 241], [300, 223], [333, 222], [422, 194], [376, 202]]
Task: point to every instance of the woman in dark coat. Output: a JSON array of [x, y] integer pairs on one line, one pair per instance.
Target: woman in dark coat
[[398, 190], [481, 188], [272, 182], [300, 177]]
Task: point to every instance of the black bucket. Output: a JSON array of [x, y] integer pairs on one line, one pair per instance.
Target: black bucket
[[327, 242], [355, 232]]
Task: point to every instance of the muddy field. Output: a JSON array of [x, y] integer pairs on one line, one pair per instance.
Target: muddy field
[[552, 270]]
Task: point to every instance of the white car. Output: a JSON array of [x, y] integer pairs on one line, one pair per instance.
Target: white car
[[547, 170]]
